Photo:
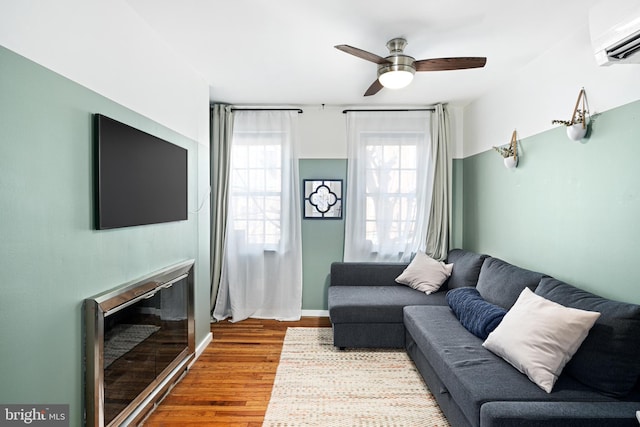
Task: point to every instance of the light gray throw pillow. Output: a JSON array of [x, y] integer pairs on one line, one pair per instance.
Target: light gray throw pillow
[[538, 337], [425, 274]]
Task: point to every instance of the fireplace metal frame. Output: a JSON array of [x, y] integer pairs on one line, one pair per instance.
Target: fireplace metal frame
[[100, 306]]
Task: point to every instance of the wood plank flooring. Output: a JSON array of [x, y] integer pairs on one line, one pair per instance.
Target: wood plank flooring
[[230, 384]]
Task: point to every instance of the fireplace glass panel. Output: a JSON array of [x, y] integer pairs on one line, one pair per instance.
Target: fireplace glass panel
[[140, 341]]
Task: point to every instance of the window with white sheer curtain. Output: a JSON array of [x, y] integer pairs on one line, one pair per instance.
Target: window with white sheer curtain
[[389, 185], [256, 190], [262, 270]]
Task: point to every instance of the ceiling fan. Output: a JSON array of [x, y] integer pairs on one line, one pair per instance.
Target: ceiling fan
[[396, 70]]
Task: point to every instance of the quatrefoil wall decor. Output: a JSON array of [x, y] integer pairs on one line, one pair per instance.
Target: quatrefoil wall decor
[[322, 198]]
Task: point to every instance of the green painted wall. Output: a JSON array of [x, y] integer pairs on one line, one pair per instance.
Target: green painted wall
[[457, 203], [51, 258], [322, 240], [570, 209]]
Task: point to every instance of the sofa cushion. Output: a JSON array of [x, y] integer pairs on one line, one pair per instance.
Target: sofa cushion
[[466, 268], [609, 358], [477, 315], [538, 337], [378, 304], [425, 274], [501, 283], [472, 374]]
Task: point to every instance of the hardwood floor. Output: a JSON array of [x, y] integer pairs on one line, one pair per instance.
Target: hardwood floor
[[230, 384]]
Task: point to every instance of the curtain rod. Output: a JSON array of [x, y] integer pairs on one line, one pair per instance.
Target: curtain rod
[[267, 109], [386, 111]]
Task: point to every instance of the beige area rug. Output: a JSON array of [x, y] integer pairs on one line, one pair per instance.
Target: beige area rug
[[318, 385]]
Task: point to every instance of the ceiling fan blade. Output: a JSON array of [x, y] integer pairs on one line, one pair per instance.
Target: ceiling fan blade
[[443, 64], [374, 88], [362, 54]]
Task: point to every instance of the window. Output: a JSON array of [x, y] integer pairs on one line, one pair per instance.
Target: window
[[391, 170], [255, 185], [388, 185]]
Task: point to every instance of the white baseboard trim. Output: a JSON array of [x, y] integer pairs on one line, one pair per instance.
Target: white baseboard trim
[[201, 347], [315, 313]]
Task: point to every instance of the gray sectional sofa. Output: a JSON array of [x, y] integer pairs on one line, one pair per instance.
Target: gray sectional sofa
[[600, 386]]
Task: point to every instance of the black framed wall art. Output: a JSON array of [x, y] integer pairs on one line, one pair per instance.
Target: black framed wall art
[[322, 198]]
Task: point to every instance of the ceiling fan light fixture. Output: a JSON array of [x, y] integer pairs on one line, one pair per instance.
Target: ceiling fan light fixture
[[396, 79], [398, 73]]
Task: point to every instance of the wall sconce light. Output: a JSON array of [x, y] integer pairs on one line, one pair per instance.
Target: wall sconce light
[[578, 126], [509, 152]]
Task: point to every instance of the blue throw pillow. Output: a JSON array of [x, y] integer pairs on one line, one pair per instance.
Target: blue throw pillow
[[477, 315]]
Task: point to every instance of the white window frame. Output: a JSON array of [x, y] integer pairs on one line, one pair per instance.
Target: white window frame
[[257, 184], [389, 141]]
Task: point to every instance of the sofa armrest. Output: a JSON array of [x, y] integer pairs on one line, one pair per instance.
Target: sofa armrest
[[365, 273], [560, 414]]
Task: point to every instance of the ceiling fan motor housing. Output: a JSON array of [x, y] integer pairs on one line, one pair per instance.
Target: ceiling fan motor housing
[[399, 63]]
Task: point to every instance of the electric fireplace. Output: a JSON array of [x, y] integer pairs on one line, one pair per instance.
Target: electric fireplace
[[139, 340]]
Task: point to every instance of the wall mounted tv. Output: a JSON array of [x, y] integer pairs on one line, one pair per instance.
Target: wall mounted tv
[[140, 179]]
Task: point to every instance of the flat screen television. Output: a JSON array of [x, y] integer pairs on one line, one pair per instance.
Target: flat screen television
[[140, 179]]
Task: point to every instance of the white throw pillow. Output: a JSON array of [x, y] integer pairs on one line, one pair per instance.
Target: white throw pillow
[[425, 274], [538, 337]]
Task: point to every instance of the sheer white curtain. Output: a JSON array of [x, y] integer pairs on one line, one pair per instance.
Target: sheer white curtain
[[262, 268], [389, 185]]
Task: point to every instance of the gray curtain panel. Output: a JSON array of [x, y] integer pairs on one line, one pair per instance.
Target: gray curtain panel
[[221, 132], [438, 227]]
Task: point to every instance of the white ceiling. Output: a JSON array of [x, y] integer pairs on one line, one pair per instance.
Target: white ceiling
[[280, 52]]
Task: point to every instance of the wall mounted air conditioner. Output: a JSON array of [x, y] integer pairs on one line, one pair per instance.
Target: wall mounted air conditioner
[[615, 31]]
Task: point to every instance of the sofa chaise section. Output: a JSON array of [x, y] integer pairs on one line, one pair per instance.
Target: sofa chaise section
[[365, 302]]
